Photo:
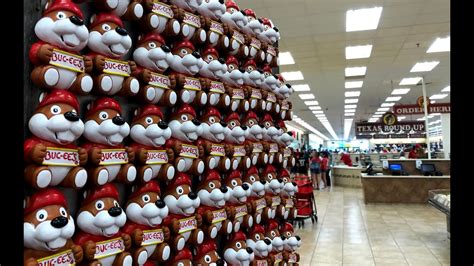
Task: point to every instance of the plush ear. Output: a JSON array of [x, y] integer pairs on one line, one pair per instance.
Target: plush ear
[[84, 195], [88, 106], [26, 202], [42, 96], [92, 19]]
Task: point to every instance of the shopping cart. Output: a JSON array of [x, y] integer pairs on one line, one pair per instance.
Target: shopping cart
[[305, 203]]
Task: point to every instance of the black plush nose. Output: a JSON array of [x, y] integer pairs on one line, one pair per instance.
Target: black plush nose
[[262, 125], [76, 20], [260, 70], [289, 133], [249, 250], [115, 211], [221, 60], [196, 54], [221, 1], [71, 116], [283, 237], [244, 127], [280, 180], [224, 124], [260, 20], [193, 195], [288, 85], [242, 70], [263, 182], [196, 122], [298, 238], [294, 183], [243, 13], [165, 48], [267, 241], [224, 189], [275, 76], [245, 187], [276, 29], [277, 127], [121, 31], [163, 125], [59, 222], [118, 120], [160, 204], [220, 262]]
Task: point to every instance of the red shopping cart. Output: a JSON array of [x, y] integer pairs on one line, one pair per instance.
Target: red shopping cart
[[305, 203]]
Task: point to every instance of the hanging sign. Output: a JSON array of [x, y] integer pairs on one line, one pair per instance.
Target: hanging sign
[[418, 135], [365, 128], [398, 136], [414, 109]]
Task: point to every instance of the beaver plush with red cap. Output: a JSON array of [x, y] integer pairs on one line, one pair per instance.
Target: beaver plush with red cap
[[253, 142], [213, 133], [270, 81], [62, 35], [257, 203], [206, 255], [273, 188], [149, 133], [153, 57], [100, 218], [161, 18], [185, 130], [237, 193], [272, 232], [234, 143], [233, 81], [236, 251], [183, 221], [213, 209], [52, 157], [109, 42], [181, 258], [252, 76], [271, 133], [126, 9], [235, 19], [291, 243], [212, 11], [105, 130], [47, 231], [145, 212], [287, 194], [270, 33], [191, 24], [260, 245]]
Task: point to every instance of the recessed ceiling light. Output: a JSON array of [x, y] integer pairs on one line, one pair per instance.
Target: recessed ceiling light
[[360, 51], [424, 66], [400, 91], [353, 84], [421, 119], [438, 96], [301, 87], [295, 75], [440, 45], [311, 102], [350, 106], [363, 19], [315, 108], [446, 89], [401, 117], [347, 127], [349, 114], [387, 104], [410, 81], [307, 96], [318, 112], [285, 58], [383, 109], [377, 116], [355, 71], [352, 93], [393, 99], [351, 100], [372, 120], [380, 113], [349, 110], [432, 101], [320, 115]]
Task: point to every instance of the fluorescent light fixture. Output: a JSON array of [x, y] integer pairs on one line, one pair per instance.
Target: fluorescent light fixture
[[446, 89], [295, 75], [400, 91], [285, 58], [311, 102], [401, 118], [393, 99], [376, 116], [359, 51], [307, 96], [347, 127], [387, 104], [430, 116], [421, 119], [318, 112], [350, 106], [440, 45], [436, 114], [353, 84], [350, 110], [349, 114], [355, 71], [383, 109], [352, 93], [438, 96], [424, 66], [312, 129], [372, 120], [301, 87], [380, 113], [315, 108], [410, 81], [320, 115], [363, 19], [432, 101], [351, 100]]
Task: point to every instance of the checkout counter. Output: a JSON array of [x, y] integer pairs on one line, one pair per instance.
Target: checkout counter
[[346, 176], [409, 186]]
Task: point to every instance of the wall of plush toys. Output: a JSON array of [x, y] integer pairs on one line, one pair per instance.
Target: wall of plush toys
[[158, 137]]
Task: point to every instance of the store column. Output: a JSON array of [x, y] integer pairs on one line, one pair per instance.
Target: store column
[[446, 129]]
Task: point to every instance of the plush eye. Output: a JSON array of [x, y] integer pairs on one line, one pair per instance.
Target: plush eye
[[285, 180], [288, 234], [232, 124], [234, 183], [210, 58], [146, 198], [41, 215], [269, 176], [257, 237], [231, 67], [238, 245], [180, 264], [273, 233], [74, 111], [212, 185], [61, 15], [99, 205], [152, 45], [148, 120], [250, 69], [55, 109], [63, 212], [207, 258], [232, 10], [250, 18], [179, 190], [212, 120], [184, 117], [106, 27], [184, 51], [252, 178], [251, 123], [116, 204], [267, 27], [103, 115]]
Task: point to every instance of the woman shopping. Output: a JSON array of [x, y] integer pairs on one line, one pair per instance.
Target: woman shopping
[[315, 168]]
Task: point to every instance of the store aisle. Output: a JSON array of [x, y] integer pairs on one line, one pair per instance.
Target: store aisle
[[349, 232]]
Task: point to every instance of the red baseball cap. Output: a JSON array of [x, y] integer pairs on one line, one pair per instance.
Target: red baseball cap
[[43, 198], [59, 96], [102, 104], [106, 191]]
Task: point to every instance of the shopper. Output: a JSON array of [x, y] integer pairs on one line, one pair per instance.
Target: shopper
[[346, 159], [413, 153], [325, 169], [402, 155], [315, 168]]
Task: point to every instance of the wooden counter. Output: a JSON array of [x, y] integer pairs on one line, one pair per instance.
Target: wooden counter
[[346, 176], [401, 189], [409, 165]]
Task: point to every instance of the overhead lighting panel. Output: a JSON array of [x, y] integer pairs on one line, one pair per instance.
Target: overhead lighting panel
[[353, 84], [381, 109], [350, 106], [355, 71], [410, 81], [347, 127], [363, 19], [352, 93], [315, 108], [400, 91], [351, 100], [311, 103], [359, 51], [446, 89], [307, 96], [438, 96], [285, 58], [440, 45], [295, 75], [387, 104], [393, 99], [301, 87], [424, 66]]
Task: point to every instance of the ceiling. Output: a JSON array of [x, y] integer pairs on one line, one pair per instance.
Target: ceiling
[[314, 32]]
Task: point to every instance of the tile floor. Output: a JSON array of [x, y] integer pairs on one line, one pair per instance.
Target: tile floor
[[349, 232]]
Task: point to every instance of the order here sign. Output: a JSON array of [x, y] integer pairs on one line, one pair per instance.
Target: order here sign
[[413, 109]]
